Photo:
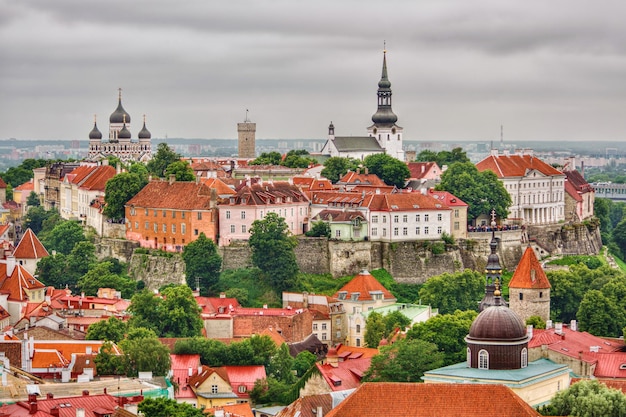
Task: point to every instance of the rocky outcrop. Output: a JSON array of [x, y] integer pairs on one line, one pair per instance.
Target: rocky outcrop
[[157, 269]]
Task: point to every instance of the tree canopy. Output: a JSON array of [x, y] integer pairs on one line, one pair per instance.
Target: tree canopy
[[299, 158], [389, 169], [119, 190], [181, 170], [112, 329], [588, 398], [267, 158], [165, 407], [451, 292], [482, 191], [63, 237], [273, 251], [38, 219], [161, 160], [404, 361], [443, 157], [202, 263], [336, 167]]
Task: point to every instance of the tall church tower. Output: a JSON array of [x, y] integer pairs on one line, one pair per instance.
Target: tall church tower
[[384, 129], [246, 133], [119, 119]]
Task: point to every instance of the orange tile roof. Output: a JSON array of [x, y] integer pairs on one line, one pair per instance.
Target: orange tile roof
[[572, 343], [529, 273], [220, 186], [2, 183], [375, 399], [447, 198], [352, 177], [45, 358], [234, 410], [515, 165], [406, 202], [19, 281], [346, 375], [27, 186], [420, 169], [98, 177], [30, 247], [352, 351], [363, 283], [180, 195]]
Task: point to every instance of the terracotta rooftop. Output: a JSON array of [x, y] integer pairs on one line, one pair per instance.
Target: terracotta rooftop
[[233, 410], [352, 177], [346, 375], [515, 165], [30, 247], [447, 198], [363, 283], [529, 273], [102, 404], [97, 178], [428, 400], [179, 195], [579, 183], [420, 169], [18, 282], [406, 202], [27, 186]]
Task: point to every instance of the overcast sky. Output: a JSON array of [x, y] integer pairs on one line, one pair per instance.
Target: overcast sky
[[546, 70]]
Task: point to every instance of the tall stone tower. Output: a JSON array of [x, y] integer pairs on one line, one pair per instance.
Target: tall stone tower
[[529, 288], [246, 133]]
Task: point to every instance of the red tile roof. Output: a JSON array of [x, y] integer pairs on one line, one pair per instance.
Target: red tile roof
[[234, 410], [406, 202], [2, 183], [448, 199], [220, 186], [529, 273], [30, 247], [420, 169], [27, 186], [359, 178], [610, 365], [346, 375], [364, 283], [576, 179], [307, 406], [104, 403], [97, 178], [19, 281], [180, 195], [515, 165], [427, 400]]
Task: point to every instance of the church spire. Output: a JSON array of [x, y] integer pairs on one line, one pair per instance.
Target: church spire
[[384, 116], [493, 270]]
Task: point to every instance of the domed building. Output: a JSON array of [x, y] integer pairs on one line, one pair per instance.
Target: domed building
[[497, 349], [120, 142]]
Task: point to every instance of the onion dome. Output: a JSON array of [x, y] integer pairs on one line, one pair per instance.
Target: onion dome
[[497, 323], [123, 133], [119, 115], [144, 133], [384, 115], [95, 134]]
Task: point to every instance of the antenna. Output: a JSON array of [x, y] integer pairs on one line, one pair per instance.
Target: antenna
[[501, 137], [246, 120]]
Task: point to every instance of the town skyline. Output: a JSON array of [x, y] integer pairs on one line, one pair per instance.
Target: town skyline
[[544, 71]]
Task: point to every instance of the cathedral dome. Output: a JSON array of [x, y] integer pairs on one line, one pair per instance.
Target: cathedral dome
[[95, 133], [497, 323], [119, 115], [124, 133], [144, 133], [384, 116]]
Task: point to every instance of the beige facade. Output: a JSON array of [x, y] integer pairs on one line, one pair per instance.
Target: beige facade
[[527, 302]]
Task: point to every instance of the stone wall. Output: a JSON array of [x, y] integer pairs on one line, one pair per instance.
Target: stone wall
[[114, 230], [566, 239], [156, 271], [120, 249]]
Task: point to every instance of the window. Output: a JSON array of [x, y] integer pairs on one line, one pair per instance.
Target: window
[[337, 321], [132, 211], [337, 233], [395, 231], [243, 228], [426, 230], [164, 213], [405, 218], [324, 336], [182, 215], [195, 232], [384, 219], [213, 389], [358, 342], [483, 359], [469, 357], [155, 213], [147, 212], [396, 218], [338, 335], [456, 212], [232, 228], [374, 219], [173, 214], [173, 228], [324, 326], [183, 228], [358, 328], [524, 358], [228, 214], [417, 217], [199, 215], [136, 225], [540, 294], [241, 389], [146, 225], [314, 326], [405, 231], [439, 217], [155, 227], [439, 230], [374, 231], [456, 225], [521, 296], [164, 227], [417, 230], [243, 215], [384, 232], [425, 217]]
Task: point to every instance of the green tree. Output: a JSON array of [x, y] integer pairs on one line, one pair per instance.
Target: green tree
[[273, 251], [81, 258], [451, 292], [145, 354], [375, 330], [161, 160], [404, 361], [241, 294], [179, 313], [118, 191], [447, 331], [108, 362], [63, 237], [298, 159], [181, 170], [482, 191], [33, 200], [36, 216], [100, 276], [202, 263], [139, 169], [112, 329], [264, 349], [52, 271], [303, 362], [619, 235], [536, 321], [319, 229], [267, 158], [144, 308], [165, 407], [281, 364], [389, 169], [270, 390], [599, 315], [426, 156], [336, 167], [588, 398], [395, 320]]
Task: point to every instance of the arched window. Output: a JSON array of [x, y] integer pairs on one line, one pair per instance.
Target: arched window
[[469, 357], [483, 359], [524, 358]]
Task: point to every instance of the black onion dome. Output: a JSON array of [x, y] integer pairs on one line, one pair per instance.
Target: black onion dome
[[95, 133], [498, 323], [119, 115], [144, 133], [123, 133], [384, 116]]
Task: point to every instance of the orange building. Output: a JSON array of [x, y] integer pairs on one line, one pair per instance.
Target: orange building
[[169, 214]]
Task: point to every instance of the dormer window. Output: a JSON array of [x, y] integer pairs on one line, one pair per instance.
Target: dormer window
[[342, 295], [355, 296]]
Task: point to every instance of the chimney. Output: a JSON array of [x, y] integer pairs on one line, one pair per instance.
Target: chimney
[[172, 179], [85, 393], [10, 265], [80, 412], [573, 325], [190, 371], [218, 412], [366, 170], [32, 403], [558, 328], [320, 412], [529, 330], [222, 295], [49, 396], [54, 411], [549, 324]]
